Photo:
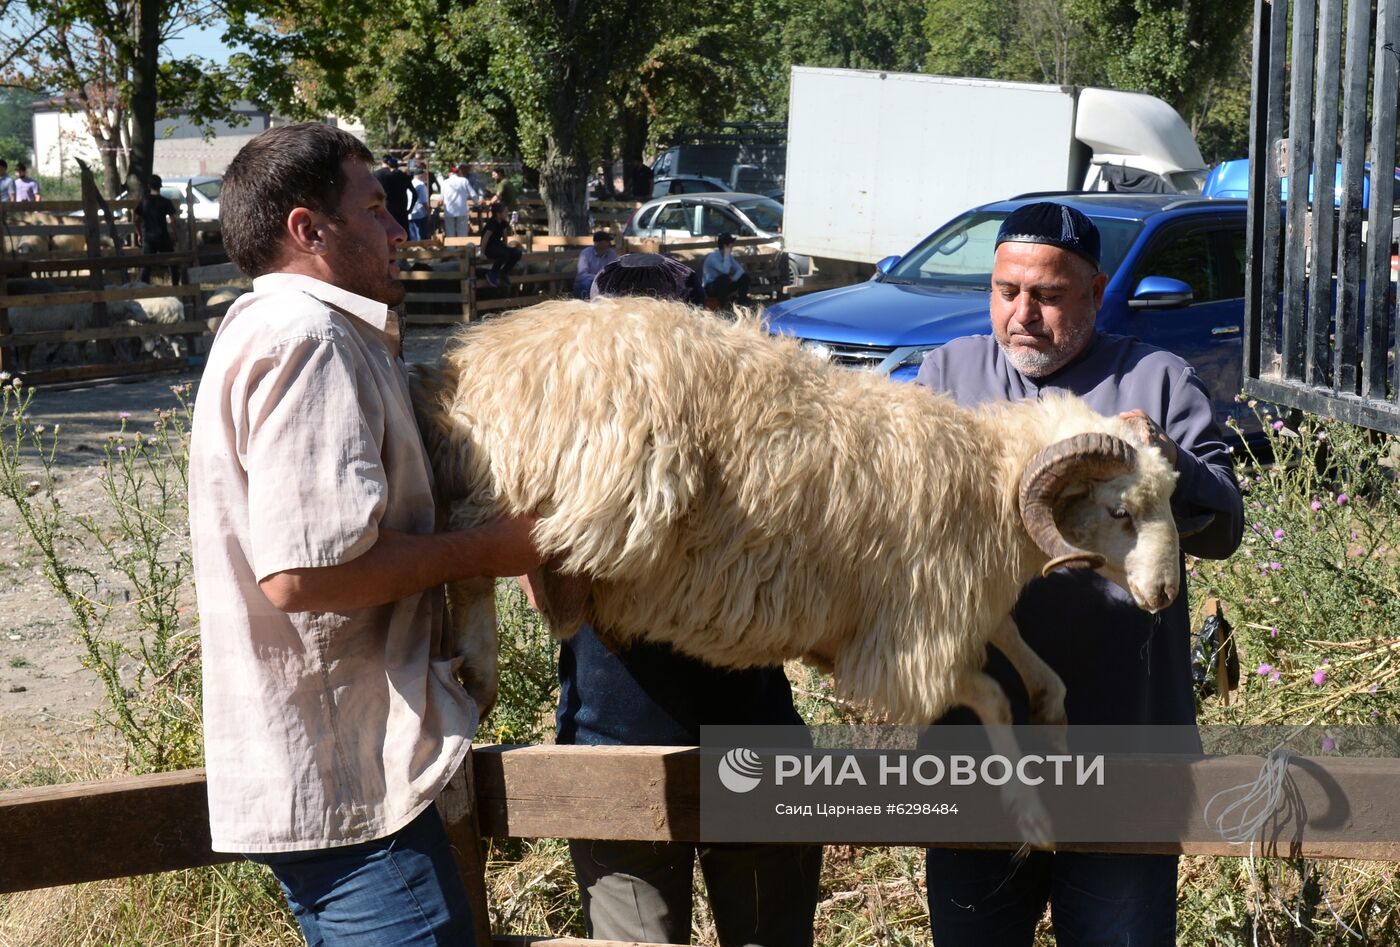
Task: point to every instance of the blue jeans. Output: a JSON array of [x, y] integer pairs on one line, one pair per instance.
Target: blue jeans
[[980, 898], [402, 889]]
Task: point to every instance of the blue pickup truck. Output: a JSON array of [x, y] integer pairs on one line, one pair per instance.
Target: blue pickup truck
[[1176, 279]]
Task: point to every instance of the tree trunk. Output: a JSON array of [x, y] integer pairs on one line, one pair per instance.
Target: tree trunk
[[112, 177], [144, 69], [564, 187], [636, 176]]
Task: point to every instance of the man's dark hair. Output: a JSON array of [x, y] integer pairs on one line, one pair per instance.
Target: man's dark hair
[[285, 167], [498, 209], [156, 182], [4, 163], [21, 167]]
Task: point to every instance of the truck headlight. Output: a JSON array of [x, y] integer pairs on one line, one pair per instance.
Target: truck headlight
[[820, 349]]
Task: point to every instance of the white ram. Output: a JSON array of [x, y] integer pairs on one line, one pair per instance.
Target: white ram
[[724, 491], [153, 310], [54, 317]]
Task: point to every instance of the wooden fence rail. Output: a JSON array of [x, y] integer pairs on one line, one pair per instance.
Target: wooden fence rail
[[55, 835], [451, 290]]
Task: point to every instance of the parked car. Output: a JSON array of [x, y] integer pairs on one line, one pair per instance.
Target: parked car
[[711, 214], [686, 184], [206, 195], [1231, 179], [1176, 280]]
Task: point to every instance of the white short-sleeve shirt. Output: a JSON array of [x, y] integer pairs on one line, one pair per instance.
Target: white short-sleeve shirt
[[320, 729]]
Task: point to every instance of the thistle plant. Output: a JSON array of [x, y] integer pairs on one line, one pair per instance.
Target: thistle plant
[[132, 617]]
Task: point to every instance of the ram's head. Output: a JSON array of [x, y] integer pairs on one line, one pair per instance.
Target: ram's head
[[1094, 501]]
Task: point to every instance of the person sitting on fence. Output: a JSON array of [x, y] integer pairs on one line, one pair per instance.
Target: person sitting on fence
[[591, 262], [154, 216], [458, 196], [7, 183], [494, 246], [420, 218], [726, 280], [26, 188], [332, 718], [650, 695], [600, 188]]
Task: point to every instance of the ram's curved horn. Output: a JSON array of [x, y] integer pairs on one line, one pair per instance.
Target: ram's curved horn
[[1082, 457]]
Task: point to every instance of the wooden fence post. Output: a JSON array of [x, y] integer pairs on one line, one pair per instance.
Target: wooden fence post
[[97, 277], [468, 283], [7, 353], [457, 806]]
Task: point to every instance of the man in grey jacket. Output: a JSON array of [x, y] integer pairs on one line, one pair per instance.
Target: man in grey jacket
[[1120, 664]]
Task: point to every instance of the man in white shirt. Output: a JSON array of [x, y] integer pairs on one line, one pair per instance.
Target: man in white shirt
[[332, 715], [458, 196], [726, 280], [420, 216]]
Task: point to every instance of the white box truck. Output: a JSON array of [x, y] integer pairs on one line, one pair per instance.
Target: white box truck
[[877, 160]]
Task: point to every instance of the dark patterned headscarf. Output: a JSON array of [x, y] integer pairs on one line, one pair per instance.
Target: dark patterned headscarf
[[649, 274]]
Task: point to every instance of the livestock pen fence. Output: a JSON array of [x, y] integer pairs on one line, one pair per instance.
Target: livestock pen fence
[[68, 834], [444, 279], [453, 287], [65, 255]]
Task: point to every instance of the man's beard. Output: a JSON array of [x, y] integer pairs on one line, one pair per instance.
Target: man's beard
[[371, 282], [1037, 363]]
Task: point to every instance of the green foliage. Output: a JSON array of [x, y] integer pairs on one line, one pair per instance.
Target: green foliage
[[14, 150], [1175, 50], [1314, 598], [1315, 587], [879, 34], [16, 122], [524, 711], [1220, 118], [152, 687], [971, 38]]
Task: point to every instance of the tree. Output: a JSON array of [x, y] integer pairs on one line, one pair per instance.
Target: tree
[[871, 34], [1177, 50], [104, 56], [1173, 49]]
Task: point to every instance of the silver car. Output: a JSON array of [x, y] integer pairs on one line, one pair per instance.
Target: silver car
[[679, 216]]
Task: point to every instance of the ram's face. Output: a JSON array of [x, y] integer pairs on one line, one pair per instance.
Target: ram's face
[[1128, 521]]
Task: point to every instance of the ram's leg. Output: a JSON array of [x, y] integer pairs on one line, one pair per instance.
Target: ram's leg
[[471, 614], [1043, 685], [984, 696]]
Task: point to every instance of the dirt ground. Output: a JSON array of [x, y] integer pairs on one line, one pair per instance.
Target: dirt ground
[[48, 700]]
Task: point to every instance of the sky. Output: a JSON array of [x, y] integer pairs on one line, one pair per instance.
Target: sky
[[207, 43]]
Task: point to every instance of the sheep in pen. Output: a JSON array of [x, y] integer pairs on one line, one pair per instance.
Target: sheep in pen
[[705, 484]]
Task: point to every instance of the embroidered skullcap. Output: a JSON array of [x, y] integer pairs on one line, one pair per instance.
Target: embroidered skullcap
[[647, 274], [1054, 224]]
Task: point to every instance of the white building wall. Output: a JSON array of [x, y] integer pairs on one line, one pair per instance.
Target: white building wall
[[61, 138]]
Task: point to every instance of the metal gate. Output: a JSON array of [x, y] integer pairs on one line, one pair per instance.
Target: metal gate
[[1324, 82]]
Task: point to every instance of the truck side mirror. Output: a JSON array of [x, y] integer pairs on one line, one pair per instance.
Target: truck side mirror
[[887, 264], [1161, 292]]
